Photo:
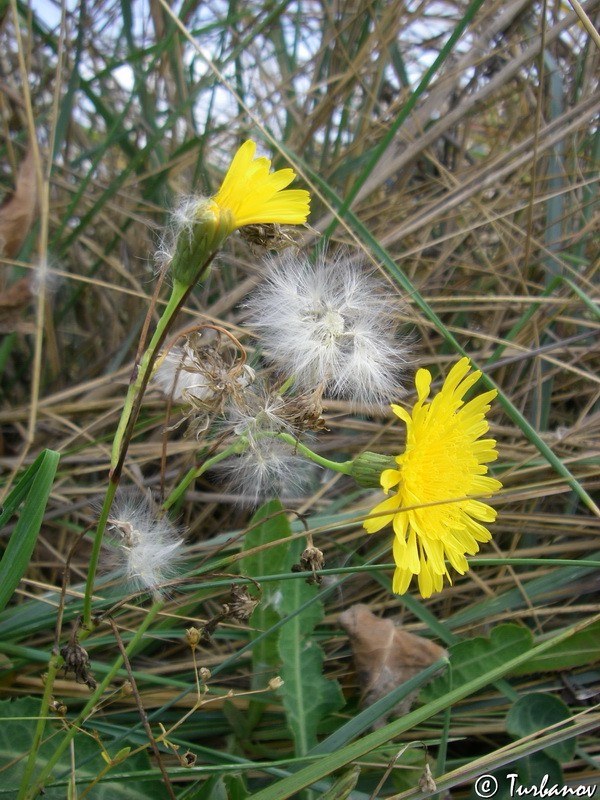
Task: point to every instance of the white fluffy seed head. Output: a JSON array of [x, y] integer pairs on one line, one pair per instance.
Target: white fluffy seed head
[[149, 547], [256, 412], [267, 468], [330, 324]]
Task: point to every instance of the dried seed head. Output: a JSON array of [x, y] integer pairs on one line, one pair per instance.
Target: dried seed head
[[58, 707], [188, 759], [193, 637], [275, 683], [198, 376], [268, 467], [426, 782], [311, 560], [77, 661], [240, 604], [204, 674], [270, 237]]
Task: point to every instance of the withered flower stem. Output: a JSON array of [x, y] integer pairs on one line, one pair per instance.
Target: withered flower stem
[[142, 710]]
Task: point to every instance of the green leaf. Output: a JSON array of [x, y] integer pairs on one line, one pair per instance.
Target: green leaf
[[467, 658], [525, 773], [369, 716], [331, 762], [582, 649], [18, 720], [36, 483], [307, 696], [536, 711], [270, 561]]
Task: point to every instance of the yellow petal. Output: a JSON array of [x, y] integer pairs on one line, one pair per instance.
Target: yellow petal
[[377, 523]]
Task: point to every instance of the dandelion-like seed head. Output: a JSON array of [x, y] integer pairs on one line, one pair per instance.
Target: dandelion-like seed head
[[257, 412], [330, 325], [435, 511], [267, 468], [149, 547]]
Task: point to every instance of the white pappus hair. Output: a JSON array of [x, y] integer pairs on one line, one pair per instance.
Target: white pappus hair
[[330, 324], [267, 468], [149, 546]]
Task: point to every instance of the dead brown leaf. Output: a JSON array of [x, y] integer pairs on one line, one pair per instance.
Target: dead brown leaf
[[385, 656], [12, 302], [18, 211]]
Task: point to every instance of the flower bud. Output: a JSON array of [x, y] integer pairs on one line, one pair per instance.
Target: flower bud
[[192, 637], [204, 226], [367, 468]]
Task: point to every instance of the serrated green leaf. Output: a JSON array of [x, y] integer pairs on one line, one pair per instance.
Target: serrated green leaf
[[307, 696], [24, 536], [536, 711], [467, 658], [18, 719]]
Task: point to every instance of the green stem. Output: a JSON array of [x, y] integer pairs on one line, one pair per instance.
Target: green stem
[[126, 425], [345, 467], [195, 472], [238, 447], [140, 379], [53, 667], [97, 544], [88, 708]]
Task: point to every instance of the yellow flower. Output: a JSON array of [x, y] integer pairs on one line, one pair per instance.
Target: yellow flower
[[250, 195], [439, 475], [254, 195]]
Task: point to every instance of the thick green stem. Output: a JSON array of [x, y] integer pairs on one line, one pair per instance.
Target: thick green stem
[[75, 724]]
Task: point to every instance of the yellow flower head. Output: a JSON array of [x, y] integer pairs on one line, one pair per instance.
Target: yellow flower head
[[250, 195], [254, 195], [439, 475]]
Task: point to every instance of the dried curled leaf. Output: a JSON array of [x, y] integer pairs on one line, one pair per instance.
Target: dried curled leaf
[[18, 211], [12, 302], [385, 656]]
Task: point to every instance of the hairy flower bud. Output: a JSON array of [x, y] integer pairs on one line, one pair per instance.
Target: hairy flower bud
[[367, 468]]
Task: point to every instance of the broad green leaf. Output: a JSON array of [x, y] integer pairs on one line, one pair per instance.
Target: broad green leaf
[[536, 711], [515, 779], [307, 696], [308, 775], [469, 657], [582, 649], [39, 479], [18, 718]]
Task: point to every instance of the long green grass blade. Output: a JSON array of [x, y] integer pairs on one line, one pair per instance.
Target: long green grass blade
[[38, 479]]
